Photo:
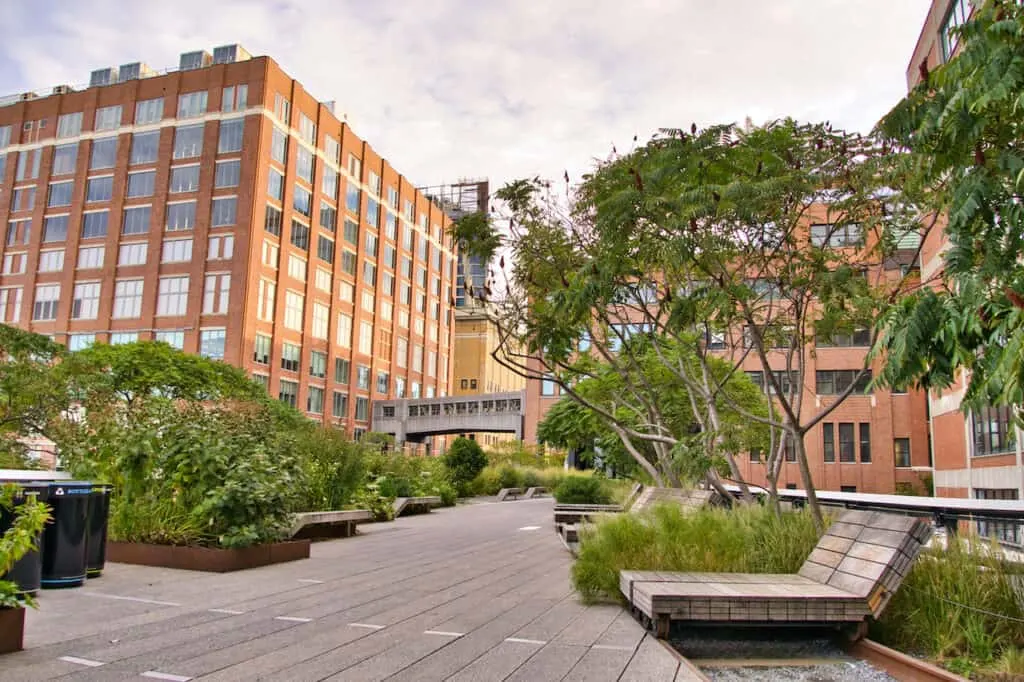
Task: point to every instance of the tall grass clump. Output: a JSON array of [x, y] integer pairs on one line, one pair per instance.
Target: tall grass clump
[[958, 606], [748, 539]]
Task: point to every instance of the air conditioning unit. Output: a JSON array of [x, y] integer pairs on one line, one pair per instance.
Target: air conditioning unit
[[26, 96], [62, 89], [129, 72], [103, 77], [195, 60], [229, 54]]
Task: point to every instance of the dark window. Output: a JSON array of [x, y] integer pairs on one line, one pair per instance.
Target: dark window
[[829, 434], [1002, 531], [291, 357], [836, 236], [315, 400], [318, 364], [300, 235], [846, 444], [836, 381], [790, 449], [791, 486], [901, 448], [342, 370], [328, 216], [865, 443], [340, 406], [362, 409], [272, 222], [351, 231], [325, 249], [288, 393], [755, 454], [383, 381], [847, 488], [856, 338], [261, 350], [994, 432]]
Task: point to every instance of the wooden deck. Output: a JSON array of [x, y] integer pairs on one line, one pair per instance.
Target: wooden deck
[[478, 592]]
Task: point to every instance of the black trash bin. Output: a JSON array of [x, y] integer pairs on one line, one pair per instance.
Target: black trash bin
[[96, 542], [64, 541], [27, 570]]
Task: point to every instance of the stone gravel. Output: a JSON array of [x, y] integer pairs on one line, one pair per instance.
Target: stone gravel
[[854, 671]]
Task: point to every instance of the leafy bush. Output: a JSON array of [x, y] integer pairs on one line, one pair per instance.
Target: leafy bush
[[464, 460], [371, 498], [27, 521], [446, 491], [582, 490], [748, 539], [531, 478], [510, 477], [333, 469]]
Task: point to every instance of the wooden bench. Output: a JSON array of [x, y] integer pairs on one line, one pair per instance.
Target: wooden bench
[[506, 493], [415, 505], [536, 491], [851, 574], [328, 524]]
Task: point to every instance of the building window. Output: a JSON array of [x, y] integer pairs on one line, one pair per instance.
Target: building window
[[224, 211], [172, 296], [344, 330], [383, 381], [857, 338], [90, 257], [351, 231], [547, 387], [28, 165], [304, 164], [901, 449], [211, 343], [47, 298], [145, 147], [847, 488], [836, 381], [352, 197], [296, 267], [174, 338], [55, 228], [369, 274], [291, 357], [342, 371], [829, 436], [69, 125], [959, 11], [272, 221], [221, 247], [328, 216], [120, 338], [1003, 531], [321, 315], [318, 364], [60, 194], [322, 280], [300, 235], [329, 184], [302, 201], [192, 104], [275, 184], [279, 145], [188, 141], [184, 179], [133, 253], [261, 349], [362, 409], [94, 224], [846, 443], [294, 306], [994, 431], [104, 153], [14, 263], [865, 443], [348, 262], [282, 108], [402, 355], [355, 166], [149, 111], [340, 405], [24, 198], [366, 338], [78, 342], [325, 249], [229, 137], [141, 184], [399, 387], [216, 293], [271, 253], [266, 297], [10, 304], [315, 400], [136, 220], [64, 158], [363, 377], [108, 118], [99, 189], [181, 216], [234, 97], [288, 393], [227, 174]]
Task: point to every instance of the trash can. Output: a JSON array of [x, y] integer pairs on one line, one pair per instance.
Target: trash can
[[27, 570], [64, 541], [96, 542]]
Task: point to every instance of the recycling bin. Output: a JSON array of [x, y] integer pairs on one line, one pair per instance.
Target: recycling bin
[[64, 540], [96, 541], [27, 570]]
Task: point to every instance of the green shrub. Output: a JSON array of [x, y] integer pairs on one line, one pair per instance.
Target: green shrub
[[464, 460], [487, 482], [446, 491], [510, 477], [26, 521], [531, 478], [333, 469], [748, 539], [582, 490]]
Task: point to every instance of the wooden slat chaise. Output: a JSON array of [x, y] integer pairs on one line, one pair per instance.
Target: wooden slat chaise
[[851, 574]]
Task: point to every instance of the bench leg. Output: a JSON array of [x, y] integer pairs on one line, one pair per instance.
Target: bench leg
[[663, 624], [855, 632]]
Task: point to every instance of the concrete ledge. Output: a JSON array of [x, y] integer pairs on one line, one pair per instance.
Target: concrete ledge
[[210, 559], [537, 491], [415, 505], [328, 524], [506, 493]]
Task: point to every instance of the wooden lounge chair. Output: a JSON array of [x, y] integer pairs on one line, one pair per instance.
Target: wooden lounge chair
[[851, 574]]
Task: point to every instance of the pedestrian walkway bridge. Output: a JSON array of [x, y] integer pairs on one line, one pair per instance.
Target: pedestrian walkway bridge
[[413, 419]]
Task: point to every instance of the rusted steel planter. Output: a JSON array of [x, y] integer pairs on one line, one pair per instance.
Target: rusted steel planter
[[209, 559]]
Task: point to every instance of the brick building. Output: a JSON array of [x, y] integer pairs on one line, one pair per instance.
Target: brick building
[[976, 455], [222, 208]]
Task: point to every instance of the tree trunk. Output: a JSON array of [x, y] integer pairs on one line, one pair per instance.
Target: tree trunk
[[805, 474], [651, 470], [715, 482]]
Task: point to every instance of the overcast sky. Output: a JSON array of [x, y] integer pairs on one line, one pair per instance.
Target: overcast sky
[[447, 89]]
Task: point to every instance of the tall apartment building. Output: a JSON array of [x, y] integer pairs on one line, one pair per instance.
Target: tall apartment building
[[222, 208], [976, 455], [873, 442]]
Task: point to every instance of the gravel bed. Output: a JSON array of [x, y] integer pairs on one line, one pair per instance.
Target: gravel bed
[[857, 671]]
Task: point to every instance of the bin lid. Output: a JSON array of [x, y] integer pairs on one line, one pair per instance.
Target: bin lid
[[41, 489], [64, 488]]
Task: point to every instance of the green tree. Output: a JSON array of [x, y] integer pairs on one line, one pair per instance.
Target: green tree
[[464, 460], [700, 239], [964, 130]]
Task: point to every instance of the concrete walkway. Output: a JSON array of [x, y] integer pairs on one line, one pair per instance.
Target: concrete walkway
[[480, 592]]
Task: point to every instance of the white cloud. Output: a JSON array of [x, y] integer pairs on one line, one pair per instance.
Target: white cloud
[[454, 88]]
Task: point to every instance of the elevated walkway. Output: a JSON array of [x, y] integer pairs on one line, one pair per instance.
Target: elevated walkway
[[413, 419]]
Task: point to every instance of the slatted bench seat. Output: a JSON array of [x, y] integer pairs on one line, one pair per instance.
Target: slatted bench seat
[[506, 493], [414, 505], [328, 524], [850, 575]]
